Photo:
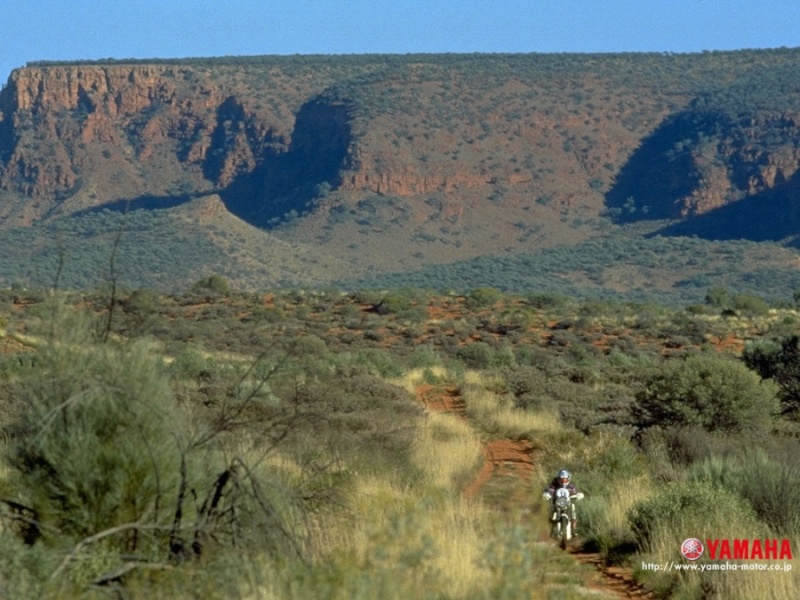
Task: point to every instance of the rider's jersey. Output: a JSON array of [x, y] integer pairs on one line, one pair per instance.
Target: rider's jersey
[[556, 485]]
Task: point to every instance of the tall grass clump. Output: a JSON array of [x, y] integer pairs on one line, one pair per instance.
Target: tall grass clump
[[401, 543], [769, 486], [496, 413], [429, 375], [698, 509], [447, 451]]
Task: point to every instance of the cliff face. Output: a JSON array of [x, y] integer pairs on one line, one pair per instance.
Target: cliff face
[[77, 137], [123, 132], [702, 163], [278, 137]]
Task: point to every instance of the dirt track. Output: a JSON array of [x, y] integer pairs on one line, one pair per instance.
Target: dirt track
[[517, 459]]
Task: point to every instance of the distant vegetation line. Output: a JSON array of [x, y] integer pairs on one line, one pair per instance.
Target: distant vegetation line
[[155, 253], [696, 264], [152, 254]]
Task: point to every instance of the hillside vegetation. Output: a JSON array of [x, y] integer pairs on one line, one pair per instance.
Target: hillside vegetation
[[222, 444], [310, 171]]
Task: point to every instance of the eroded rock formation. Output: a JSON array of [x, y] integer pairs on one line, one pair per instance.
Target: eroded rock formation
[[272, 137]]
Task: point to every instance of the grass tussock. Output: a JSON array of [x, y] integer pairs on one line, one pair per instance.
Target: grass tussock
[[447, 451], [413, 378], [497, 415]]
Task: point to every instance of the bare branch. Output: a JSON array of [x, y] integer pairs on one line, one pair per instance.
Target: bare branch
[[28, 516], [53, 414], [102, 535], [125, 568], [112, 300]]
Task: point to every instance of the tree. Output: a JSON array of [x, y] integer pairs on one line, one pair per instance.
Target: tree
[[215, 284], [719, 297], [712, 392], [780, 362], [482, 297]]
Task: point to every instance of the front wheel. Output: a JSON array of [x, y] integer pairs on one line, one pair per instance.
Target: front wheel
[[564, 533]]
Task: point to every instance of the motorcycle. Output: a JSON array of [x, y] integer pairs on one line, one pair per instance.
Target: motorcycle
[[562, 515]]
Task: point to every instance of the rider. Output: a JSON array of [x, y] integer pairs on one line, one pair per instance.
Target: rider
[[563, 480]]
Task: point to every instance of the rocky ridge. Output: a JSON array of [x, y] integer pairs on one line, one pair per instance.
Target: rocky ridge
[[461, 147]]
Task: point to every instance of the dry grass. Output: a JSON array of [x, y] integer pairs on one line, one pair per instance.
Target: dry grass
[[425, 537], [444, 529], [447, 450], [412, 379], [637, 489], [730, 585], [496, 414]]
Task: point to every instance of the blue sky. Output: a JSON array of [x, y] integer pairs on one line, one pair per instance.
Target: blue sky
[[91, 29]]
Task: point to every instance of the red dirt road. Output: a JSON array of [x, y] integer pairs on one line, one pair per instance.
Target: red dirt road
[[516, 459]]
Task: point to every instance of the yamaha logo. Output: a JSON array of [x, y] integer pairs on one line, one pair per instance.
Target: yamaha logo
[[692, 549]]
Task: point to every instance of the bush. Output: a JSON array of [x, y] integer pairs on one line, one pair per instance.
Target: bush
[[527, 384], [482, 297], [682, 510], [24, 569], [360, 419], [93, 448], [392, 304], [425, 356], [477, 355], [750, 305], [713, 392], [769, 486], [104, 461], [214, 284], [546, 300], [719, 297], [780, 362]]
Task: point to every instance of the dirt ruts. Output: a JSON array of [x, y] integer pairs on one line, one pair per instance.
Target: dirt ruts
[[517, 458]]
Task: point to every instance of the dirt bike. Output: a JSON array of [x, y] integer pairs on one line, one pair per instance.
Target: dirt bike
[[562, 516]]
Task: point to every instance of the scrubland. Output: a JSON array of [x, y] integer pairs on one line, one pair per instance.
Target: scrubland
[[327, 445]]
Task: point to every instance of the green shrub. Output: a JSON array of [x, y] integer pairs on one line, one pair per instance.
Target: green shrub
[[215, 284], [477, 355], [546, 300], [527, 384], [482, 297], [189, 364], [93, 448], [683, 445], [779, 361], [425, 356], [713, 392], [769, 486], [103, 460], [750, 305], [358, 418], [392, 304], [719, 297], [24, 568], [685, 510]]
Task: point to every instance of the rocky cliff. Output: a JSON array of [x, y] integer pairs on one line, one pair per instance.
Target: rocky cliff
[[641, 137], [87, 135]]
